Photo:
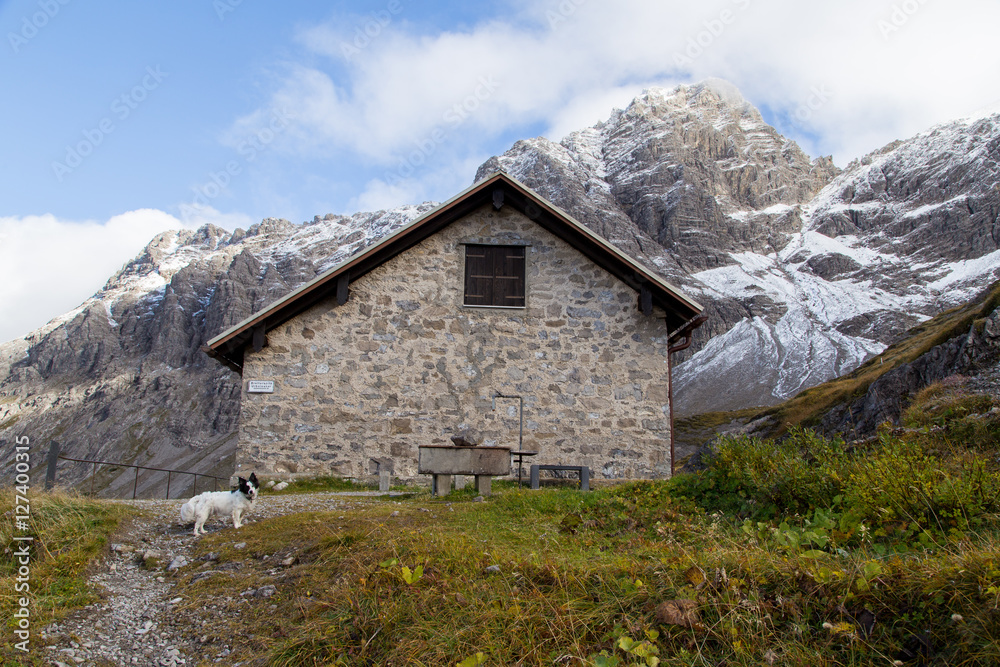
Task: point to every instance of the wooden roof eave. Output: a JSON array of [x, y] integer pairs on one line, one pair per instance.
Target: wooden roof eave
[[679, 308], [307, 295]]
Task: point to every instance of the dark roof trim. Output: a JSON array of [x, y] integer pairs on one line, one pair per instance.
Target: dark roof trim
[[680, 309]]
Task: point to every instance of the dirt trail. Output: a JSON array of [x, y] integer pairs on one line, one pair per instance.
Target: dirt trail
[[140, 620]]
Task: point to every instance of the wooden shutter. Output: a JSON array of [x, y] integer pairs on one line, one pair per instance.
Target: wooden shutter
[[494, 276], [478, 276], [508, 276]]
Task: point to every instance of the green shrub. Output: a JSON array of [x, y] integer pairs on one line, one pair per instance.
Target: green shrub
[[763, 478], [900, 487], [645, 506], [899, 482]]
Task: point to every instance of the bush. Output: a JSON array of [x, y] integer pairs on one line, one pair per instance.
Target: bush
[[758, 478], [645, 506], [898, 486], [944, 402], [899, 482]]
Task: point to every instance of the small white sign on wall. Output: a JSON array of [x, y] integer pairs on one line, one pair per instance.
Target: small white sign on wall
[[260, 387]]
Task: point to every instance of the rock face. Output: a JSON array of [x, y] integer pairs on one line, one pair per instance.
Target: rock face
[[973, 354], [805, 272], [696, 170]]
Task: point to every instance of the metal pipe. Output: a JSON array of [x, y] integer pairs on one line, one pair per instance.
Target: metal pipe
[[520, 430], [688, 332], [520, 414]]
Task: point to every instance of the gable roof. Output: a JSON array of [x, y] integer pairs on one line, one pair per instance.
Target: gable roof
[[500, 190]]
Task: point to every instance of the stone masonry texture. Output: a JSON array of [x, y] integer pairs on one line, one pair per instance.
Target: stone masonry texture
[[404, 363]]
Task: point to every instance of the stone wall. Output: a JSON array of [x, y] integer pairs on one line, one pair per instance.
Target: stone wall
[[404, 363]]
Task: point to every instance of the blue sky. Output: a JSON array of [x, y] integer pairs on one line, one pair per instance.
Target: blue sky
[[126, 119]]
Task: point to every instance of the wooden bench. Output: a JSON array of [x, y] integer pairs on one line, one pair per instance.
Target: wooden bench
[[582, 471]]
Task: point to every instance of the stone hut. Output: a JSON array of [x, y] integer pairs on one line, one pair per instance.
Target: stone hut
[[496, 316]]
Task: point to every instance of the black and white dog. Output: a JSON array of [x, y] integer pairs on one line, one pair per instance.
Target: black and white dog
[[234, 502]]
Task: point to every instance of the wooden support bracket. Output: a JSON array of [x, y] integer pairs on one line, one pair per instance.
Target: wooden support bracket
[[259, 337], [343, 293], [646, 300]]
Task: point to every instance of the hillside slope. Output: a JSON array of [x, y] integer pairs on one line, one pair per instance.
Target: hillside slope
[[960, 346]]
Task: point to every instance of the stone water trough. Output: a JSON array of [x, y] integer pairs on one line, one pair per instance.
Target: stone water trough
[[444, 461]]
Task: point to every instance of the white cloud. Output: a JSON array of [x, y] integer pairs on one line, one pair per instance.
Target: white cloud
[[844, 77], [49, 266]]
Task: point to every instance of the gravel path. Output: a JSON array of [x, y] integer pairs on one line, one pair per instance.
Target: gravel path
[[138, 621]]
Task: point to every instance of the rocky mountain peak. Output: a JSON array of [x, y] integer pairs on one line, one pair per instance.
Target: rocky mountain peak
[[715, 100], [807, 271], [695, 168]]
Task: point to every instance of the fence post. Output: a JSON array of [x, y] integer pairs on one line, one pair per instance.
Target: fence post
[[50, 472], [136, 485], [168, 484]]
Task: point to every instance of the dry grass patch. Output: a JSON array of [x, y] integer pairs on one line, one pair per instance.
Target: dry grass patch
[[69, 533]]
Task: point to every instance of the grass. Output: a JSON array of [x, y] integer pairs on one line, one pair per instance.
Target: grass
[[560, 577], [707, 569], [320, 484], [799, 552], [69, 533], [551, 577]]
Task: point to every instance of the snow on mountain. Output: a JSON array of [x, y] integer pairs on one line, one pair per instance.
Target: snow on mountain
[[915, 246], [808, 271], [123, 377]]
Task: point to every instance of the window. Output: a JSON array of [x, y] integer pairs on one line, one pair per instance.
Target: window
[[494, 276]]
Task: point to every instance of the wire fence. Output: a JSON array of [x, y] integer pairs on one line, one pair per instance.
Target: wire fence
[[55, 457]]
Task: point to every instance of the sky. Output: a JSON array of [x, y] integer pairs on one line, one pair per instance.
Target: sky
[[127, 119]]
